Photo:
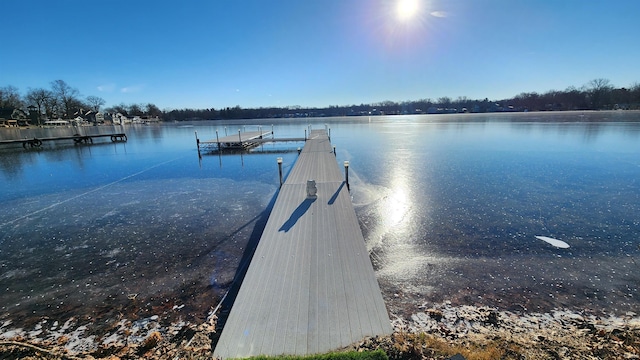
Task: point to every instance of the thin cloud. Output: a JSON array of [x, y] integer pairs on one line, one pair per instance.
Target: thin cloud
[[131, 89], [106, 87], [439, 14]]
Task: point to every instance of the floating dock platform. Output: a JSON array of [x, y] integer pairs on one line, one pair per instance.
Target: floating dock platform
[[243, 140], [310, 287]]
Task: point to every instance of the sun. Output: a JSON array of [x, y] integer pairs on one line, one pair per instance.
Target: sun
[[407, 9]]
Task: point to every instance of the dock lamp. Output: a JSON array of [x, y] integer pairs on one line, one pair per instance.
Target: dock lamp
[[346, 173], [280, 169]]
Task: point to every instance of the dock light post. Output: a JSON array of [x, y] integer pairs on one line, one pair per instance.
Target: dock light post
[[239, 136], [280, 169], [225, 131], [217, 140], [346, 173], [334, 150], [299, 150], [305, 134], [197, 142], [271, 129]]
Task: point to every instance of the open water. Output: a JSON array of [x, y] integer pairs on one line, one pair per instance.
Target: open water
[[449, 206]]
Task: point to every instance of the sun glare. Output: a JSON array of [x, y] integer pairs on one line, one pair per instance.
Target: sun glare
[[406, 9]]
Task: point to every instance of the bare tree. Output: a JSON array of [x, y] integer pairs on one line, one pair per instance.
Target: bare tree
[[599, 89], [121, 108], [152, 110], [444, 101], [52, 108], [95, 102], [10, 97], [66, 95], [135, 110], [39, 98], [635, 92]]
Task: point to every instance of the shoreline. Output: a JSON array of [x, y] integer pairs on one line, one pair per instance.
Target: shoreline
[[438, 331]]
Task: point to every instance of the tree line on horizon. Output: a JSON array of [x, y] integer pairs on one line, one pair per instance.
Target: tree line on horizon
[[64, 101]]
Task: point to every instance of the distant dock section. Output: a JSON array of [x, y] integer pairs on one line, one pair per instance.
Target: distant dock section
[[310, 287], [242, 140], [36, 142]]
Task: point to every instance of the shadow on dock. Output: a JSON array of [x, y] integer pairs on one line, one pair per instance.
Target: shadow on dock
[[297, 214], [335, 195]]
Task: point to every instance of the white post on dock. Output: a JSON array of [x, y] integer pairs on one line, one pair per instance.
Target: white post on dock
[[346, 173], [239, 136], [280, 169], [299, 150], [225, 131], [271, 129], [312, 189], [218, 140], [305, 134]]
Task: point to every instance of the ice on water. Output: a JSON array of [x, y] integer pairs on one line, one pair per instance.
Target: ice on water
[[555, 242]]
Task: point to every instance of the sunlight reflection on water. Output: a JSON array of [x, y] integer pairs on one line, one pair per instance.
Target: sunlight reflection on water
[[457, 216]]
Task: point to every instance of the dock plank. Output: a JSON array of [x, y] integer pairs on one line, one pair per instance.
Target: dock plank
[[310, 287]]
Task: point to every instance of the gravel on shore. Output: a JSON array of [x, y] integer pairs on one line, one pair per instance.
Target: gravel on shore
[[438, 332]]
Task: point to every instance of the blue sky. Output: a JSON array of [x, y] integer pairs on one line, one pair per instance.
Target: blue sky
[[252, 53]]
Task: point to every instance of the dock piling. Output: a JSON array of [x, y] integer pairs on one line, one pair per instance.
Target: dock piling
[[346, 174], [280, 169]]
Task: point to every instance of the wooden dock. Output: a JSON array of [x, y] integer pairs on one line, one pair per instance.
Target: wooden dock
[[310, 287], [241, 141], [77, 138]]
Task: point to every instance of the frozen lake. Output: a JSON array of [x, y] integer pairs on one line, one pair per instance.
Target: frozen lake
[[450, 207]]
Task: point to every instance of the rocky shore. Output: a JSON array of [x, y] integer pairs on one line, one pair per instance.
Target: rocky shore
[[487, 333], [437, 332]]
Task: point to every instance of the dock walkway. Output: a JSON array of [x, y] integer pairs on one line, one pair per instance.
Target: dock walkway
[[310, 287]]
